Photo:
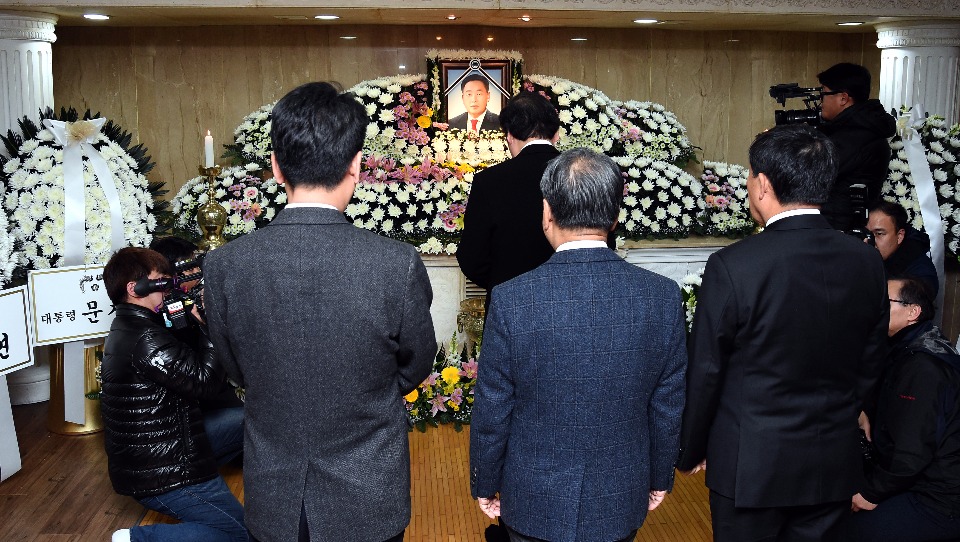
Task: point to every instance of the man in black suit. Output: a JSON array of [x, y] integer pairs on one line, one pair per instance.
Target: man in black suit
[[475, 92], [788, 341], [502, 229]]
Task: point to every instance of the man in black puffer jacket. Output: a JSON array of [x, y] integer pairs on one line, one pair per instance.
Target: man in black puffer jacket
[[160, 449], [859, 127], [912, 491]]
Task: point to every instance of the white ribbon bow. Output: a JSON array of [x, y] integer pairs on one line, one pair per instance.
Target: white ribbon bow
[[77, 140]]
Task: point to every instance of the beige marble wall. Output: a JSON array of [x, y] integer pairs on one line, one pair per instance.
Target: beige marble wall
[[169, 85]]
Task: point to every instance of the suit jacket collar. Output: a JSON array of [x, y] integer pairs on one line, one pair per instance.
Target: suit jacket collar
[[800, 222], [309, 215], [582, 255]]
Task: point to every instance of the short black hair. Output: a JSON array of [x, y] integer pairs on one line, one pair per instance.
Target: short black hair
[[584, 189], [914, 291], [893, 210], [174, 249], [316, 131], [475, 77], [853, 79], [799, 160], [529, 115], [130, 265]]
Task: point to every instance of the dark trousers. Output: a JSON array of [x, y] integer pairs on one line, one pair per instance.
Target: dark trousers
[[782, 524], [901, 518], [517, 537]]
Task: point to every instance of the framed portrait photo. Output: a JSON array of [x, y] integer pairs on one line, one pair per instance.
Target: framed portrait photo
[[474, 90]]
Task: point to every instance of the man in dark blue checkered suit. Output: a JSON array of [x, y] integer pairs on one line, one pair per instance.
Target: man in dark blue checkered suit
[[581, 376]]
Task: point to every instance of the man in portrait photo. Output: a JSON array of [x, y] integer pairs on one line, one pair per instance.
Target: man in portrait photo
[[475, 91]]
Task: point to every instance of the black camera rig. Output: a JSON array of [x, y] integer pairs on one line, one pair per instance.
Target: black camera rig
[[177, 303], [812, 98]]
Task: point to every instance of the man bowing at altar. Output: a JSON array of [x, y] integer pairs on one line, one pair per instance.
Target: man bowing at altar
[[788, 340], [328, 326]]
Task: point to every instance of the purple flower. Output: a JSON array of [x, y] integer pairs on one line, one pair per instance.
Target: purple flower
[[457, 396], [436, 404]]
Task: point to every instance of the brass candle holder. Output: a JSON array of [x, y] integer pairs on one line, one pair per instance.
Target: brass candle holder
[[211, 218]]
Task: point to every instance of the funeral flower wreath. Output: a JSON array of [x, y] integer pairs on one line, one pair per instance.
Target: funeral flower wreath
[[32, 184]]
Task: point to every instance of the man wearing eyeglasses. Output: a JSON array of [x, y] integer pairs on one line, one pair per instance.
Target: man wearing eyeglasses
[[859, 127], [912, 490]]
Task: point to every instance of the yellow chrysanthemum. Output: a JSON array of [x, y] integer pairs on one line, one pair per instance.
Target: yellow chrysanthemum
[[412, 396], [450, 375], [423, 121]]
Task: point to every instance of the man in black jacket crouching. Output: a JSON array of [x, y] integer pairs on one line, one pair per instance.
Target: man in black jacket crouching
[[160, 449], [912, 489]]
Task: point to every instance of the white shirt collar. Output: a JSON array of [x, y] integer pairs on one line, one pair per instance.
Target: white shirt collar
[[536, 142], [785, 214], [311, 204], [585, 243]]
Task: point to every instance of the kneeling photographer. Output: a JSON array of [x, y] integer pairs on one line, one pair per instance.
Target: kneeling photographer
[[859, 127], [188, 291], [161, 450]]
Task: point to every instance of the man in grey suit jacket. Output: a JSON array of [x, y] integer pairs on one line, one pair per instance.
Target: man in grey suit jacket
[[576, 420], [787, 344], [327, 326]]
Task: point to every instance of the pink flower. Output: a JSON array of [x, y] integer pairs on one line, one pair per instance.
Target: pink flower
[[469, 368], [457, 396], [436, 404]]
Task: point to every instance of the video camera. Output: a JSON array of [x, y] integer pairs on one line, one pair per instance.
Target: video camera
[[812, 98], [178, 303]]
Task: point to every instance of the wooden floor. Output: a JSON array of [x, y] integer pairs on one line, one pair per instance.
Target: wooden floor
[[63, 493]]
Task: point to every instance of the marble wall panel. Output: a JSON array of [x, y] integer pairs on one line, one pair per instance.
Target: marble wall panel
[[169, 85]]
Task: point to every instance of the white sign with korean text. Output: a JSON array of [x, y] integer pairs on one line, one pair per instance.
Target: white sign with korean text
[[15, 350], [68, 304]]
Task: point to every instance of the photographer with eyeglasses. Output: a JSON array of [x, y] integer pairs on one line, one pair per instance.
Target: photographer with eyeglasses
[[860, 128], [912, 489]]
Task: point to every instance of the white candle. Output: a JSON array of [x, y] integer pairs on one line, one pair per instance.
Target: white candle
[[208, 150]]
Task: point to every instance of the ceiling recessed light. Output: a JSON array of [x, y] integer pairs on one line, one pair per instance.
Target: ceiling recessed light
[[348, 37], [489, 38], [452, 17], [646, 21], [578, 39], [525, 18], [95, 16], [326, 17], [850, 23], [439, 38], [402, 67]]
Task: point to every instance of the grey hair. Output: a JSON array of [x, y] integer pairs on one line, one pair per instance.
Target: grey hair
[[584, 189]]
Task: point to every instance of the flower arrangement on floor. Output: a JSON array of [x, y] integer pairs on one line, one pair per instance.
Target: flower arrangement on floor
[[648, 129], [32, 183], [689, 289], [446, 396], [942, 145], [587, 116], [660, 201], [250, 202], [727, 208]]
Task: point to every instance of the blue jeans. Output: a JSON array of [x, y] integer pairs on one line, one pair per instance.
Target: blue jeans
[[207, 511], [224, 428]]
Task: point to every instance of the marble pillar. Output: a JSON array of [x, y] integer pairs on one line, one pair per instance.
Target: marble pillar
[[26, 87], [920, 64]]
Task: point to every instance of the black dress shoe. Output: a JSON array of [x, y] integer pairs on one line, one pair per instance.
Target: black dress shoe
[[496, 533]]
